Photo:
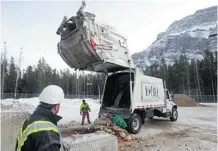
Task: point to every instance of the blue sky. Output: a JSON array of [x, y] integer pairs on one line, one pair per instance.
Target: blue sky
[[33, 24]]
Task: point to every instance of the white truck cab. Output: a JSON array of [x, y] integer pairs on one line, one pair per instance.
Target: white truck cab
[[86, 45]]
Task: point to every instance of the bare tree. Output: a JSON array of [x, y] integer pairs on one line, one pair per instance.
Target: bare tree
[[18, 72]]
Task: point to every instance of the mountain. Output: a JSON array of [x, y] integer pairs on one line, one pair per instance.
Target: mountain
[[191, 36]]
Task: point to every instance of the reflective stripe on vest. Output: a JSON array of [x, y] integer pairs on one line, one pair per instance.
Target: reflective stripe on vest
[[36, 126]]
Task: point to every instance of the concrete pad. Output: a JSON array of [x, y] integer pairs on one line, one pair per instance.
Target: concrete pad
[[10, 124], [98, 141]]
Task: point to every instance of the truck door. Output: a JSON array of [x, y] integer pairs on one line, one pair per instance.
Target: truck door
[[168, 101]]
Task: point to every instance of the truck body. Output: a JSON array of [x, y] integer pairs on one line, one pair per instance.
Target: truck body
[[143, 97], [87, 45]]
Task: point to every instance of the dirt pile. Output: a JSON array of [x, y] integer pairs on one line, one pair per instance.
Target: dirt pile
[[183, 100]]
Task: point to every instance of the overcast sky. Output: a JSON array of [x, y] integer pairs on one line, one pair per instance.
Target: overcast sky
[[33, 24]]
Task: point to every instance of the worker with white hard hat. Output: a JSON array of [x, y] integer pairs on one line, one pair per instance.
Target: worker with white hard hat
[[39, 131]]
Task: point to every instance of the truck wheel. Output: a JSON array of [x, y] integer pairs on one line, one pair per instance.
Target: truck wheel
[[134, 123], [174, 115]]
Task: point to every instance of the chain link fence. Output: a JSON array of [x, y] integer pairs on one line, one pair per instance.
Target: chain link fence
[[198, 98], [18, 95], [32, 95], [205, 98]]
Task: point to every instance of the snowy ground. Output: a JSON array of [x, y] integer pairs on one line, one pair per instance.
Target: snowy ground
[[195, 129], [69, 109]]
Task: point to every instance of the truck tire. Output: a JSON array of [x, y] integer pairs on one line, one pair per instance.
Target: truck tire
[[174, 114], [134, 123]]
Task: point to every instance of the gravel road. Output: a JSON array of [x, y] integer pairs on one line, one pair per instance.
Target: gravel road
[[195, 130]]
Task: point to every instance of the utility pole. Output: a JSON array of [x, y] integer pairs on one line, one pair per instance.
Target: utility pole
[[183, 85], [84, 85], [211, 64], [3, 74], [77, 83], [212, 82], [198, 81], [187, 74], [99, 93], [18, 72]]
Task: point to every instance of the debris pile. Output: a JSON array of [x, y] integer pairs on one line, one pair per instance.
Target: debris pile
[[102, 124], [106, 124]]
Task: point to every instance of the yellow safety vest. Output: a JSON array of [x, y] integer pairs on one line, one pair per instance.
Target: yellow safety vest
[[35, 127], [84, 107]]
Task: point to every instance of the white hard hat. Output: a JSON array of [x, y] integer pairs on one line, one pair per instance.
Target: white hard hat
[[52, 94]]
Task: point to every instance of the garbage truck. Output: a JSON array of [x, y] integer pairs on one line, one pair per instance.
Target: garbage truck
[[88, 45]]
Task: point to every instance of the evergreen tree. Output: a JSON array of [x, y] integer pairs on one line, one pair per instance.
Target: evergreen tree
[[193, 77], [4, 75], [30, 80], [207, 74], [11, 77]]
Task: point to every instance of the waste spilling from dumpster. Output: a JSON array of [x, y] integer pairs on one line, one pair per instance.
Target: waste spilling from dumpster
[[115, 125]]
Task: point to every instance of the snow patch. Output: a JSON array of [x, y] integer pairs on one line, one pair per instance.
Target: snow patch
[[201, 31], [209, 104], [69, 109], [198, 33], [205, 27]]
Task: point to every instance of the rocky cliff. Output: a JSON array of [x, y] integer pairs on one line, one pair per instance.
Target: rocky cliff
[[190, 36]]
